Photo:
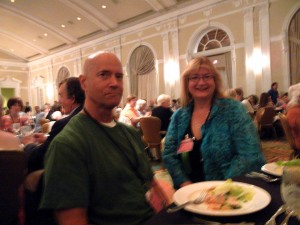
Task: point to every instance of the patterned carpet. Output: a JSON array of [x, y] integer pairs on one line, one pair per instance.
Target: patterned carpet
[[276, 149]]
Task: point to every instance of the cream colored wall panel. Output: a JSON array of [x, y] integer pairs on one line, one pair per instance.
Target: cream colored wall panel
[[240, 69], [276, 65], [184, 36], [235, 24], [278, 13]]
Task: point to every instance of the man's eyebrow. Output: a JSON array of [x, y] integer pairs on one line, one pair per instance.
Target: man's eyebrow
[[103, 71]]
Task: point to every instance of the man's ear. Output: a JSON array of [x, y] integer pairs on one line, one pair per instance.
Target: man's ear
[[82, 79]]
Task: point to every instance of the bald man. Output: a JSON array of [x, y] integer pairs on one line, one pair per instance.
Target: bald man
[[96, 170]]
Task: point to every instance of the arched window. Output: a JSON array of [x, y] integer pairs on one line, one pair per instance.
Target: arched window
[[213, 39], [62, 74], [217, 39], [142, 73], [294, 48]]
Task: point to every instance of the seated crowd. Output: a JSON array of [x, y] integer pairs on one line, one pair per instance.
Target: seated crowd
[[92, 163]]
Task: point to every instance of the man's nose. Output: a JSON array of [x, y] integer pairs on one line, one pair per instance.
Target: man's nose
[[114, 80]]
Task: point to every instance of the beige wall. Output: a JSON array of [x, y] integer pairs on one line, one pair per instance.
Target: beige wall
[[229, 15]]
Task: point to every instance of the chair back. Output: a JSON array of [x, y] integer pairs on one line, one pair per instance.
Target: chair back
[[150, 126], [43, 121], [46, 127], [12, 172], [267, 116], [287, 130]]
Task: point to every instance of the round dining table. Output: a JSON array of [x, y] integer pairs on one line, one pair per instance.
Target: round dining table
[[257, 218]]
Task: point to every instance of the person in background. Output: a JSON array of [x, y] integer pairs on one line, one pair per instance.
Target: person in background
[[231, 93], [129, 115], [273, 92], [141, 106], [282, 102], [163, 112], [174, 105], [239, 94], [265, 100], [14, 116], [206, 138], [293, 116], [56, 107], [27, 108], [247, 102], [101, 175], [71, 97], [151, 105], [8, 141], [41, 115]]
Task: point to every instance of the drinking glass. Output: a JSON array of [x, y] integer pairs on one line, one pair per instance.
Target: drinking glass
[[16, 128], [29, 127], [290, 188]]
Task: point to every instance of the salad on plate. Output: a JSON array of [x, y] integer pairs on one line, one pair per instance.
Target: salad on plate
[[228, 196]]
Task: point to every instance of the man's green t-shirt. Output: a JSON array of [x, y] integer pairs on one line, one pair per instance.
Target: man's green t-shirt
[[103, 169]]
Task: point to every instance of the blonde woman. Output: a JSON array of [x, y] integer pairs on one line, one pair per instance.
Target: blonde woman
[[211, 137]]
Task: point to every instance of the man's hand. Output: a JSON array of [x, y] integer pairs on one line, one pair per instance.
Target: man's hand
[[36, 138]]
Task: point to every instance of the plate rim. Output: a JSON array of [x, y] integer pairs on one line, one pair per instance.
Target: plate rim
[[263, 168], [224, 213]]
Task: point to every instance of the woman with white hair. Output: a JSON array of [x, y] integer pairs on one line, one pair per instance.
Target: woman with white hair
[[140, 106], [163, 111]]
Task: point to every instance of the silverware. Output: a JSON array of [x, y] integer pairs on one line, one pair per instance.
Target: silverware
[[272, 220], [196, 201], [262, 176], [289, 213]]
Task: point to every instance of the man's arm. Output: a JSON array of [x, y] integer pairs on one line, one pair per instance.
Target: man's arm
[[75, 216]]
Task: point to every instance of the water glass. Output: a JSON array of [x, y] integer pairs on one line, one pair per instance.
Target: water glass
[[290, 188], [16, 128]]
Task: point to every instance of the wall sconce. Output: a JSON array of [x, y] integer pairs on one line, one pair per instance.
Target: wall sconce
[[49, 92], [258, 61], [171, 72]]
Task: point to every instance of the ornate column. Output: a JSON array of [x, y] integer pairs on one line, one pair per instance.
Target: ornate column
[[175, 92], [166, 57], [249, 47], [264, 27]]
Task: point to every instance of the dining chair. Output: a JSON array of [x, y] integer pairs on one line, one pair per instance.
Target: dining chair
[[288, 134], [12, 172], [46, 127], [43, 121], [150, 126], [265, 118]]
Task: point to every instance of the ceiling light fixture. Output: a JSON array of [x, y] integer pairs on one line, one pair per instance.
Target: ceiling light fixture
[[103, 6], [63, 26], [12, 0], [78, 18], [45, 34]]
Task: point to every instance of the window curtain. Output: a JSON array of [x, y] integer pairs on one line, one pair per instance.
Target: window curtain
[[294, 43], [63, 73], [142, 73]]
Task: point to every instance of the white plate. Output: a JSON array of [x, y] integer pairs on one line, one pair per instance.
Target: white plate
[[272, 169], [259, 201]]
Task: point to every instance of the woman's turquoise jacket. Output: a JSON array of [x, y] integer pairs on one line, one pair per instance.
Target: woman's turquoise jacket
[[230, 144]]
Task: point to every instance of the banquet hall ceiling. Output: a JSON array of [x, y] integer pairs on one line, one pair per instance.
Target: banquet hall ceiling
[[32, 29]]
